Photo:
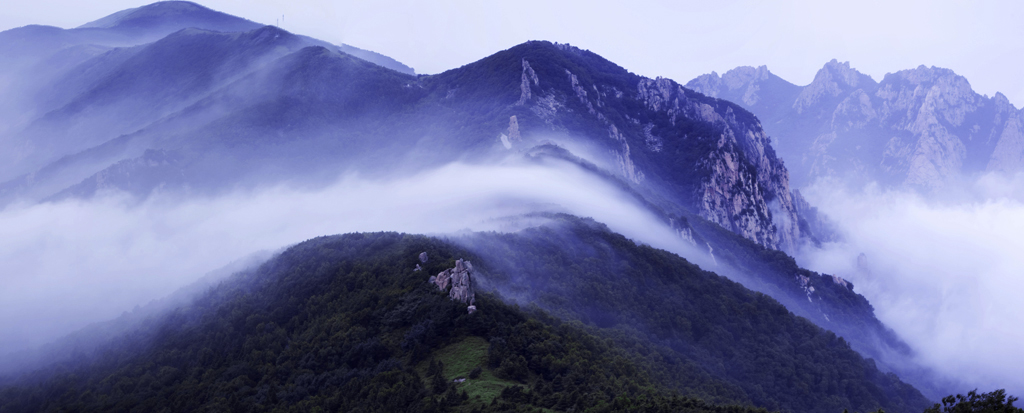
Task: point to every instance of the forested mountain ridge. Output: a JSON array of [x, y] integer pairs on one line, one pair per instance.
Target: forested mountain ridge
[[578, 269], [347, 322]]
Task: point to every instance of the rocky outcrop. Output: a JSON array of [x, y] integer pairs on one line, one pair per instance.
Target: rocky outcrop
[[528, 75], [462, 285], [423, 260], [458, 283], [712, 156], [442, 281], [747, 187], [843, 282], [743, 82], [922, 128], [831, 82], [581, 93], [513, 130], [1008, 155], [819, 227], [930, 105], [625, 162], [805, 284]]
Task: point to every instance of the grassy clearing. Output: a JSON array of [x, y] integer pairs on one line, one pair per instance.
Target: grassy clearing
[[461, 358]]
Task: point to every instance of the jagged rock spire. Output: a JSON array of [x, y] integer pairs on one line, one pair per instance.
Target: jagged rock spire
[[458, 283]]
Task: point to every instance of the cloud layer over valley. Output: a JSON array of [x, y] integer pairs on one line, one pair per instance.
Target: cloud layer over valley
[[74, 262], [945, 274]]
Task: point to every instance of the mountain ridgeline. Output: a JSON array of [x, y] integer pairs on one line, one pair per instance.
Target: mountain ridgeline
[[173, 98], [353, 323], [922, 128], [208, 108], [259, 107]]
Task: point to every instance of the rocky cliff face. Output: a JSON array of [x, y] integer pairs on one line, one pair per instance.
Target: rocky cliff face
[[683, 152], [744, 82], [711, 157], [1008, 155], [746, 187], [922, 127], [831, 83]]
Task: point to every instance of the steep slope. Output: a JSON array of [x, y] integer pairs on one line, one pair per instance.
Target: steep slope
[[160, 19], [35, 58], [346, 323], [922, 127], [580, 270], [757, 89], [156, 20], [351, 322], [35, 54], [288, 119], [166, 17], [125, 90], [167, 76], [683, 151], [703, 154]]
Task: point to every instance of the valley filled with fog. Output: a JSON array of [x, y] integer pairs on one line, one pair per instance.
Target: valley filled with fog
[[944, 270]]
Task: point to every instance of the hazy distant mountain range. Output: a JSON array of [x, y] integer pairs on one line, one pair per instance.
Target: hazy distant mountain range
[[922, 127], [174, 98]]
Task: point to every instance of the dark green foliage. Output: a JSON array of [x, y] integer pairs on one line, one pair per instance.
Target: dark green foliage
[[722, 341], [338, 324], [774, 272], [995, 402]]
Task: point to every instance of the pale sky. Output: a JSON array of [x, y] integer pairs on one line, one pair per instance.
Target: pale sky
[[981, 40]]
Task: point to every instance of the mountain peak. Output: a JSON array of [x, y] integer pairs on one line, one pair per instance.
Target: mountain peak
[[938, 82], [748, 85], [181, 14], [841, 74], [740, 76], [1003, 103], [544, 45], [924, 74], [832, 80], [709, 84]]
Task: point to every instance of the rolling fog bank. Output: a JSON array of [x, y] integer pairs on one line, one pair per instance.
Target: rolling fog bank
[[945, 272], [74, 262]]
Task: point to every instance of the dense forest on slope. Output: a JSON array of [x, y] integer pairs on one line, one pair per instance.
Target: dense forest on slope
[[344, 323], [829, 302], [833, 304], [579, 270]]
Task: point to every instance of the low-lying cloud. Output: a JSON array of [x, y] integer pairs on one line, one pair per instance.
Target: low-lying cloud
[[66, 264], [947, 275]]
